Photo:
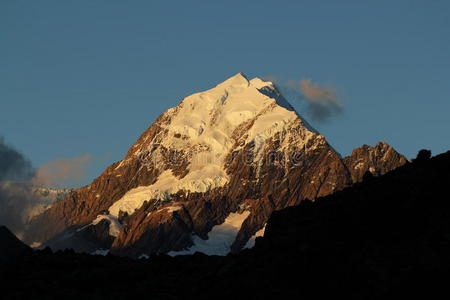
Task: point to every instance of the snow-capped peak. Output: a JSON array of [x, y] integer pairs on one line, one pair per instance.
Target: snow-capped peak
[[264, 87], [237, 80], [207, 126], [260, 83]]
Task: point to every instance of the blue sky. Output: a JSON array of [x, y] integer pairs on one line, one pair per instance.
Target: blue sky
[[87, 77]]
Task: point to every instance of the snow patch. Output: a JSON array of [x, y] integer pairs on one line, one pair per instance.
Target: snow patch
[[119, 165], [35, 244], [114, 225], [198, 180], [102, 252], [45, 198], [251, 242], [220, 238], [171, 209], [168, 209]]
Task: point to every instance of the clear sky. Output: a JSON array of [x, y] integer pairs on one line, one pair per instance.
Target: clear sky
[[88, 76]]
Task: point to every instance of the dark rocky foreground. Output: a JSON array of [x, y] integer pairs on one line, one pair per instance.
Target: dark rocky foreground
[[10, 246], [385, 237]]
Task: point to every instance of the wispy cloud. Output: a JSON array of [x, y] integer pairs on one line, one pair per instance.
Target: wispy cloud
[[271, 78], [18, 182], [13, 165], [322, 103], [16, 196], [56, 172]]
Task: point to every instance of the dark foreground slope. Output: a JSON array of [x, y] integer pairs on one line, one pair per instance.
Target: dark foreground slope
[[386, 237], [10, 246]]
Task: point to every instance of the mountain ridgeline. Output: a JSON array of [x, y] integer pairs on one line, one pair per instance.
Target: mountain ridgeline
[[387, 237], [206, 176]]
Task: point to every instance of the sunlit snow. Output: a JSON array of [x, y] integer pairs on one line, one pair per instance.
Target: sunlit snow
[[202, 180], [220, 238], [251, 242], [203, 126], [102, 252], [114, 225]]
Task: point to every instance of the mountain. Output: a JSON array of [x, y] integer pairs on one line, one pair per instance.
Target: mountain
[[206, 176], [377, 160], [10, 246], [21, 201], [45, 198]]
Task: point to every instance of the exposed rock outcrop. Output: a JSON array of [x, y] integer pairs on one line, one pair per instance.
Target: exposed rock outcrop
[[378, 160]]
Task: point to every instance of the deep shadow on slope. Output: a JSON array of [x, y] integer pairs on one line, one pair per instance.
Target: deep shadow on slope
[[10, 246], [387, 236]]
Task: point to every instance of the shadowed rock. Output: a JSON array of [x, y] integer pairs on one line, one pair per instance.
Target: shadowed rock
[[10, 246]]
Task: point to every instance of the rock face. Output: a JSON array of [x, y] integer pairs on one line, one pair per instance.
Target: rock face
[[377, 160], [206, 176]]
